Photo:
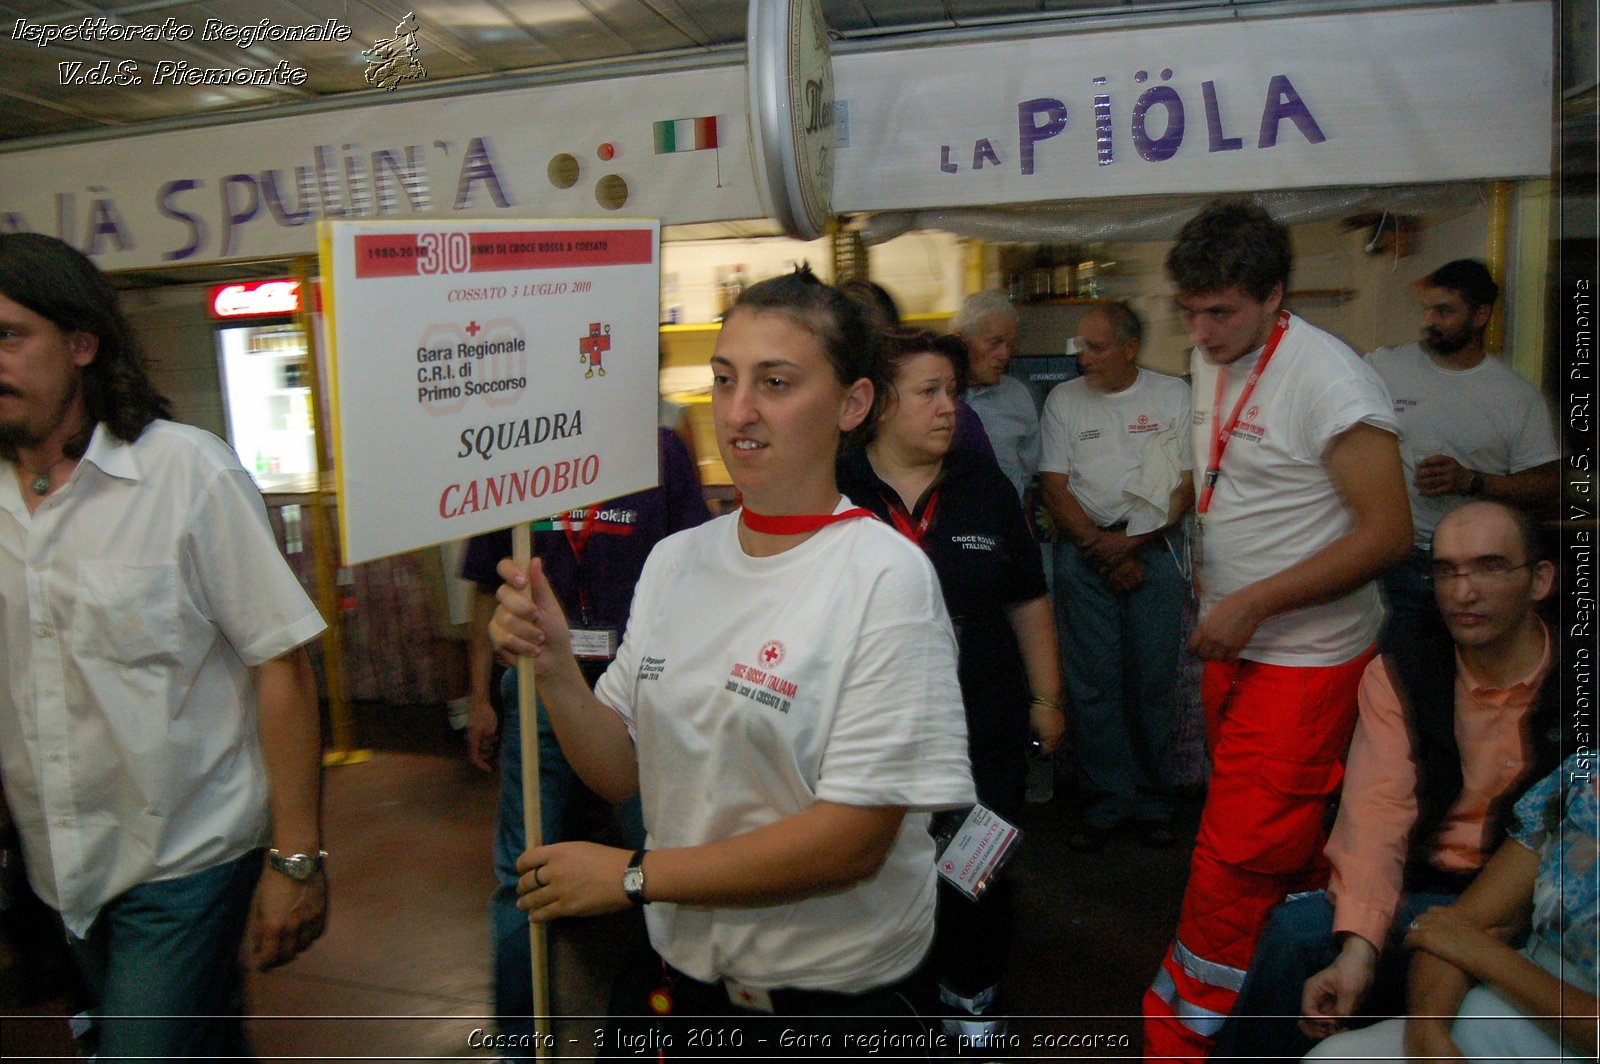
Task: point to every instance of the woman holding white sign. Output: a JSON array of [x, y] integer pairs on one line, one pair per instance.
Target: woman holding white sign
[[785, 702]]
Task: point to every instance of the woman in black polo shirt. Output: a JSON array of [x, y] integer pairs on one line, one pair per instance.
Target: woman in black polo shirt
[[960, 508]]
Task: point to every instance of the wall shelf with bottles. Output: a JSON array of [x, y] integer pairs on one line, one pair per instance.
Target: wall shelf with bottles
[[1051, 273]]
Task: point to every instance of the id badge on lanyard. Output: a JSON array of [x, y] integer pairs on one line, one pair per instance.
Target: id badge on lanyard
[[979, 848], [594, 643], [591, 640]]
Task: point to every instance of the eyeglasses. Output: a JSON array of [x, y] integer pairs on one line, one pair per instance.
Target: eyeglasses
[[1480, 572]]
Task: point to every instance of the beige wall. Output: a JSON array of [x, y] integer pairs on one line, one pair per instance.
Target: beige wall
[[922, 269], [180, 342], [1374, 305]]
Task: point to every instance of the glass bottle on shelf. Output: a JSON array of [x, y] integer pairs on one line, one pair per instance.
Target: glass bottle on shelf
[[1040, 277], [1066, 278], [1014, 273], [1088, 280]]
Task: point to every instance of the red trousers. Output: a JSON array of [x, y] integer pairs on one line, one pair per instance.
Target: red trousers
[[1277, 736]]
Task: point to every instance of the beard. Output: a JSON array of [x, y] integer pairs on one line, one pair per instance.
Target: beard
[[1436, 342], [32, 432]]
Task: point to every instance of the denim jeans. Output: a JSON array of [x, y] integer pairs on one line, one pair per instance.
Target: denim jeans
[[171, 949], [508, 925], [1298, 942], [1120, 661]]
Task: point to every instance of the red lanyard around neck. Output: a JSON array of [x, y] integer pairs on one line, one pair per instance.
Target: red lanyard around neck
[[901, 519], [580, 541], [796, 524], [1224, 433]]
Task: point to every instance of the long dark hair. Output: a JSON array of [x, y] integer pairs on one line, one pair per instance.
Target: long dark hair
[[60, 283]]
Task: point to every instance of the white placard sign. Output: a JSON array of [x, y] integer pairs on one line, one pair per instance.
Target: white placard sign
[[487, 373]]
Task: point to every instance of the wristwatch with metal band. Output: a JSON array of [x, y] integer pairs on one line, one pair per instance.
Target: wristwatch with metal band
[[633, 878], [297, 866]]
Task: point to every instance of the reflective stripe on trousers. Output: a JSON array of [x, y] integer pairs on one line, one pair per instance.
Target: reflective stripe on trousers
[[1221, 977]]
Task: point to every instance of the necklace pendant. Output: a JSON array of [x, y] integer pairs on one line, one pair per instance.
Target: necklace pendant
[[41, 484]]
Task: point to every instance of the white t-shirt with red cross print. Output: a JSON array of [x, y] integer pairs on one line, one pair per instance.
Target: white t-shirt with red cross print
[[757, 687], [1274, 504], [1100, 441]]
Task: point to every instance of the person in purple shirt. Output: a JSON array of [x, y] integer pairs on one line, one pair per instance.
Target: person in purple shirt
[[593, 557]]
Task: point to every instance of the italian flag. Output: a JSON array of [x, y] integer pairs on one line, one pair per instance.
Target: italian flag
[[686, 134]]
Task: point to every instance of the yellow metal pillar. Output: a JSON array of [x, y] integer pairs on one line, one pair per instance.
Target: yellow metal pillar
[[342, 747], [1528, 292], [1495, 241], [976, 267]]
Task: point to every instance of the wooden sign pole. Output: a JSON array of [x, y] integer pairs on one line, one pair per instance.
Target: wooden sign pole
[[528, 714]]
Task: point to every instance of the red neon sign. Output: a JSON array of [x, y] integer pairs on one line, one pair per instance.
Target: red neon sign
[[255, 299]]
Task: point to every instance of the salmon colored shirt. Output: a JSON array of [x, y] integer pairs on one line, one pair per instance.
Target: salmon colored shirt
[[1367, 847]]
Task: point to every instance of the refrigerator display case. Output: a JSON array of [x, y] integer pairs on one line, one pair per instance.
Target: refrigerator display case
[[263, 359]]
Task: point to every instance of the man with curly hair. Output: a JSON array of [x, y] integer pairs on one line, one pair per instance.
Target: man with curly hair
[[158, 714], [1300, 505]]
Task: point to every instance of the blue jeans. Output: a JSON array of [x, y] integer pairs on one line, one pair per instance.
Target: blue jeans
[[171, 949], [508, 925], [1119, 654], [1297, 943]]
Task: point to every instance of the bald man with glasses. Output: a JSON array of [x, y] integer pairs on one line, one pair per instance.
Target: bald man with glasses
[[1452, 730]]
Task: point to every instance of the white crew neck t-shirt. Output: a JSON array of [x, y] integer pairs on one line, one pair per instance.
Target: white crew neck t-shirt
[[1275, 504], [1487, 418], [756, 687], [1098, 440]]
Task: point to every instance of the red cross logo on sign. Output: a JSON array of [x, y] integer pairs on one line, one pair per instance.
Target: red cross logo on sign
[[591, 347], [473, 329]]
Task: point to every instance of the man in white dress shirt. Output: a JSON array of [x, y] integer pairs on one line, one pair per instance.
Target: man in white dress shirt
[[158, 715]]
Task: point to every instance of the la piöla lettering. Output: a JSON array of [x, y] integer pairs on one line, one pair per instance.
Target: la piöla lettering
[[1045, 117]]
